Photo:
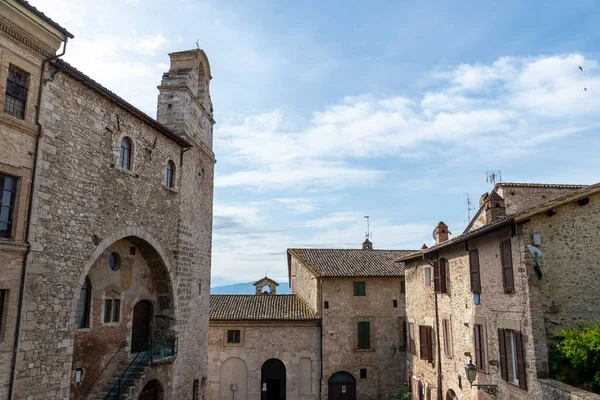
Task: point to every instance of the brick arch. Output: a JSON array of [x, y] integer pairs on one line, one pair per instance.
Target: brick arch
[[155, 257]]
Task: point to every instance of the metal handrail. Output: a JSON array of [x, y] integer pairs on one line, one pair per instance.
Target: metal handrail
[[103, 369], [120, 383]]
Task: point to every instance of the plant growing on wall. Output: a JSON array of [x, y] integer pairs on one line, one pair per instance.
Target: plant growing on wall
[[403, 395], [575, 359]]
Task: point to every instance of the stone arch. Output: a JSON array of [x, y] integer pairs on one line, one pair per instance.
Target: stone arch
[[234, 371], [155, 257], [153, 390]]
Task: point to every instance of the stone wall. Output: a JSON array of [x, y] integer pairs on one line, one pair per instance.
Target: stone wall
[[296, 344], [385, 372], [305, 284], [17, 143], [83, 203], [556, 390]]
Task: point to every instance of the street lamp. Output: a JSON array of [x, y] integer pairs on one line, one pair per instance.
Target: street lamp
[[393, 349], [471, 372]]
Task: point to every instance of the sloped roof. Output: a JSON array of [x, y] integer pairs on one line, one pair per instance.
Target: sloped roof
[[44, 17], [265, 279], [351, 262], [275, 307], [541, 185], [582, 192]]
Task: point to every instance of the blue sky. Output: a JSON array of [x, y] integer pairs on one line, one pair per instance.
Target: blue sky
[[330, 111]]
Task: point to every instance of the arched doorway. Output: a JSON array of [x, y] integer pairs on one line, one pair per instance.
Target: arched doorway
[[272, 382], [141, 325], [451, 395], [152, 391], [342, 386]]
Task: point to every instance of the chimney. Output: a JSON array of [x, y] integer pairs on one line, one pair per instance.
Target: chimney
[[441, 233], [482, 199], [424, 247], [367, 245], [494, 208]]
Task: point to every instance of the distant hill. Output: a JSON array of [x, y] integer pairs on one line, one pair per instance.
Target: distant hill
[[246, 288]]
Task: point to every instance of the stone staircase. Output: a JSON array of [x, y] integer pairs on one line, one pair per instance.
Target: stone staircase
[[124, 384]]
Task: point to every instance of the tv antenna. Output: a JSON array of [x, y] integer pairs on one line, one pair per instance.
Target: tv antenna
[[368, 232], [470, 206], [198, 43], [493, 176]]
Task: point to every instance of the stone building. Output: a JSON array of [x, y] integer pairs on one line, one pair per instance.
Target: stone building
[[485, 297], [344, 326], [359, 296], [263, 346], [105, 227]]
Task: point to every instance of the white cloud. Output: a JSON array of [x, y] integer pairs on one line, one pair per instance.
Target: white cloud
[[517, 104]]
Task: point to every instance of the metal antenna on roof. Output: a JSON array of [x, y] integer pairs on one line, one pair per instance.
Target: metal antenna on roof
[[368, 232], [197, 43], [491, 176], [470, 206]]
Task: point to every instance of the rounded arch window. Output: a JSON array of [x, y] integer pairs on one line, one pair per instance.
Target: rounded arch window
[[125, 155], [114, 261], [170, 174]]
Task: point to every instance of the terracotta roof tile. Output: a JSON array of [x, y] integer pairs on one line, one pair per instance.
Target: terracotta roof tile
[[352, 262], [276, 307]]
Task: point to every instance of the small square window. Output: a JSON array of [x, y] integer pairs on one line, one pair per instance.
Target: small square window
[[326, 304], [233, 336], [403, 287], [363, 373], [395, 303], [359, 289]]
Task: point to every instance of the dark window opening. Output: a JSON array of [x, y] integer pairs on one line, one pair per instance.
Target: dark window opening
[[404, 335], [82, 314], [363, 373], [395, 303], [116, 310], [170, 175], [8, 186], [195, 390], [364, 335], [403, 287], [132, 251], [3, 297], [107, 310], [360, 289], [125, 153], [15, 96], [326, 304], [114, 261], [233, 336], [583, 201]]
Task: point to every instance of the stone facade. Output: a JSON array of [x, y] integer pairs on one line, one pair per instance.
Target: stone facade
[[85, 205], [295, 343], [533, 307]]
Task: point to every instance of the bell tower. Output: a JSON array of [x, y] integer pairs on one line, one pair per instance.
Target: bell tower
[[184, 103]]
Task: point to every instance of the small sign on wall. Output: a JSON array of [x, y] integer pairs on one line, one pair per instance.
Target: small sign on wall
[[343, 389], [233, 387], [264, 387]]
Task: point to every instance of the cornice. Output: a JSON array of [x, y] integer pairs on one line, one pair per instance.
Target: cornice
[[25, 39]]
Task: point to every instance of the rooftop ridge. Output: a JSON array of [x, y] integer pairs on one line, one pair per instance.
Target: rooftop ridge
[[43, 16]]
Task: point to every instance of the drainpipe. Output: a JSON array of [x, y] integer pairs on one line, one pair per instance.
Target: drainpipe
[[439, 350], [321, 336], [28, 221]]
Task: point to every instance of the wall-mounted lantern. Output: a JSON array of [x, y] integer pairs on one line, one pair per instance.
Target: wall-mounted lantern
[[471, 372]]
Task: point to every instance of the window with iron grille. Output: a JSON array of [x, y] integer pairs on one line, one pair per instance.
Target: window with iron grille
[[170, 175], [112, 310], [8, 187], [363, 373], [125, 153], [16, 92], [195, 390], [83, 305], [233, 336]]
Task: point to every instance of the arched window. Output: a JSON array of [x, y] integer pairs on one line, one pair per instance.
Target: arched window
[[170, 174], [83, 305], [125, 154]]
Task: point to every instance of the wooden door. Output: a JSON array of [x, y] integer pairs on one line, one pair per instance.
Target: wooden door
[[342, 391], [140, 330]]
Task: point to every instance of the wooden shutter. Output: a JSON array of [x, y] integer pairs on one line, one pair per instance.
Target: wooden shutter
[[429, 344], [520, 360], [508, 280], [445, 331], [423, 343], [442, 275], [404, 336], [477, 340], [502, 345], [436, 276], [364, 335], [474, 270]]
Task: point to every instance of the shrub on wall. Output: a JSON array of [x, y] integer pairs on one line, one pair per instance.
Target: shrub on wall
[[575, 359], [403, 395]]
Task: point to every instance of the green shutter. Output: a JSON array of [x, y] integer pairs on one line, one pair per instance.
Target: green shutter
[[364, 335]]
